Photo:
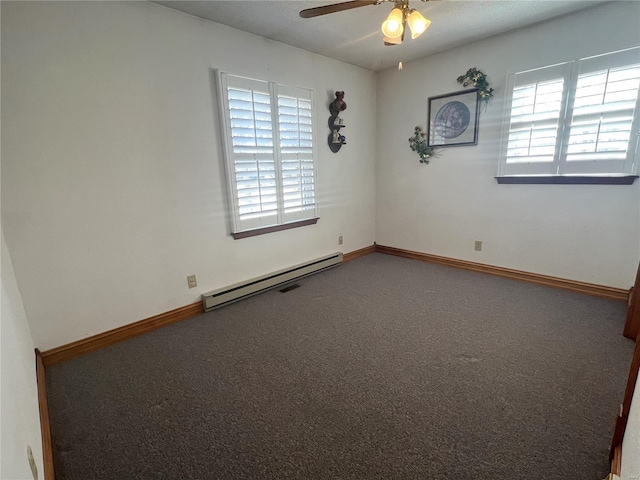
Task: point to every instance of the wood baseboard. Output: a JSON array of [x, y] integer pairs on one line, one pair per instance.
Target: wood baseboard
[[632, 323], [95, 342], [573, 285], [90, 344], [347, 257], [101, 340], [632, 320], [616, 463], [45, 426]]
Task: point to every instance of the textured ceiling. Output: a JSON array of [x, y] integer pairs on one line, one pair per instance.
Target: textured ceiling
[[354, 36]]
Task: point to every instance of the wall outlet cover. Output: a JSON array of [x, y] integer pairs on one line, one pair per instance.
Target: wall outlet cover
[[191, 281]]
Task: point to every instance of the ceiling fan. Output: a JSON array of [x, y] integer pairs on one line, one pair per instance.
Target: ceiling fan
[[393, 27]]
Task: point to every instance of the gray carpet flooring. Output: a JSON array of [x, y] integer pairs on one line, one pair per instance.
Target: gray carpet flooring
[[383, 368]]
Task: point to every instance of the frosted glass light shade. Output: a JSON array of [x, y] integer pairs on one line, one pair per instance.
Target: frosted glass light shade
[[392, 26], [392, 41], [417, 23]]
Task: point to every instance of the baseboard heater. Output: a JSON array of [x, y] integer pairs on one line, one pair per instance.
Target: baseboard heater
[[227, 295]]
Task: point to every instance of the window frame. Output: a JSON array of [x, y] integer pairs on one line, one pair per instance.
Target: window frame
[[261, 225], [561, 170]]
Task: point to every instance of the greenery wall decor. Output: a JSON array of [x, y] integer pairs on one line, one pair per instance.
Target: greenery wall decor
[[479, 80], [418, 143]]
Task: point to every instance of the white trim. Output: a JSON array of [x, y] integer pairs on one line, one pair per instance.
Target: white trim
[[564, 130], [273, 90], [223, 107]]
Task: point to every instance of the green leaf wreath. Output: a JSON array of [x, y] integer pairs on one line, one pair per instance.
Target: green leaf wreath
[[418, 143], [479, 80]]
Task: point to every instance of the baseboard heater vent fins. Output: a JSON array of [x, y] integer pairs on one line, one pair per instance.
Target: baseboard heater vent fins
[[224, 296]]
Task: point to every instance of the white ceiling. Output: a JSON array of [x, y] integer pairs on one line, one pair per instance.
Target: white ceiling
[[354, 36]]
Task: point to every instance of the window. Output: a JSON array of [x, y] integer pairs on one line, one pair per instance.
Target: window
[[574, 119], [270, 154]]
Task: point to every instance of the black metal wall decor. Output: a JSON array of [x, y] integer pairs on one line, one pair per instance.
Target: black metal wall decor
[[336, 122]]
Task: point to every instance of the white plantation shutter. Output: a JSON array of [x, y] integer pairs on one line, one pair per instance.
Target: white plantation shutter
[[536, 109], [269, 151], [577, 118], [295, 110], [601, 138]]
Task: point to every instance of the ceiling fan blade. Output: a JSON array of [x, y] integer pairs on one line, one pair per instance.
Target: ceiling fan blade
[[336, 7]]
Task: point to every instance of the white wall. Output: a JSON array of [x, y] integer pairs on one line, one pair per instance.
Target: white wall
[[586, 233], [631, 443], [19, 413], [112, 180]]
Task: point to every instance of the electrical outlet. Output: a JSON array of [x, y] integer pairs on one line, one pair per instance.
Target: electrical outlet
[[191, 281], [340, 240], [32, 463], [478, 246]]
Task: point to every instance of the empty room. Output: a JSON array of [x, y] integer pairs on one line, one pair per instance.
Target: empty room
[[320, 239]]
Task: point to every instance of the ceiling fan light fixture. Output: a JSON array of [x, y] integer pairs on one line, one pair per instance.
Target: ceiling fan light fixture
[[392, 26], [417, 23]]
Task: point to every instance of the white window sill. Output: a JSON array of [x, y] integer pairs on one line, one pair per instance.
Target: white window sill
[[567, 179]]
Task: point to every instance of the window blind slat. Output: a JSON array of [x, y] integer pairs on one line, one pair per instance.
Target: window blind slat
[[533, 129], [296, 152], [252, 142], [600, 128]]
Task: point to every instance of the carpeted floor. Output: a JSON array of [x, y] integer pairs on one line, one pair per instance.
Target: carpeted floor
[[383, 368]]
